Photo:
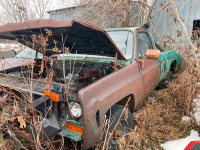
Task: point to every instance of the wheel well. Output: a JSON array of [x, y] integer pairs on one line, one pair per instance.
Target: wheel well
[[131, 106], [131, 102], [173, 66]]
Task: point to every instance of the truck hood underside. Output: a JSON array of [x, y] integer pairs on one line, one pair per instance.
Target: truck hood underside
[[79, 37]]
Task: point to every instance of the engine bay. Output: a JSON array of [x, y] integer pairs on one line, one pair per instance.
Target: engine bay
[[75, 75]]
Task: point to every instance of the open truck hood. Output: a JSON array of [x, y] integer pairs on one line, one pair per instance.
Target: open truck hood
[[81, 38], [11, 63]]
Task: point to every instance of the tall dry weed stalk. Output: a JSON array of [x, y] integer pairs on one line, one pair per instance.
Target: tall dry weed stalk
[[185, 87]]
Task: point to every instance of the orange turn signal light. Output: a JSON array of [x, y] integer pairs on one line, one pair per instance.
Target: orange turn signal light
[[53, 96], [74, 128]]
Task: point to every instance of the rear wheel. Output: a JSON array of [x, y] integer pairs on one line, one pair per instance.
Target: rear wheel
[[165, 83], [121, 122]]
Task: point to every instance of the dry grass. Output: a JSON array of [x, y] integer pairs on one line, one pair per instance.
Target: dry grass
[[6, 144], [159, 120]]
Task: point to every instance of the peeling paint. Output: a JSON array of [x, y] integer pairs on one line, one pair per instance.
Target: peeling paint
[[166, 60]]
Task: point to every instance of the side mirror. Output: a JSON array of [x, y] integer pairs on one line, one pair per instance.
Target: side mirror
[[153, 54]]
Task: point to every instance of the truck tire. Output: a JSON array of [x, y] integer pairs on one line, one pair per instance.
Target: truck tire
[[121, 122], [165, 83]]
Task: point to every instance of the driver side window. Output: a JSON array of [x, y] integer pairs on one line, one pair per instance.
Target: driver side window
[[143, 43]]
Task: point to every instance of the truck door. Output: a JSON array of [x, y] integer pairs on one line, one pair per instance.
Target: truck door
[[149, 68]]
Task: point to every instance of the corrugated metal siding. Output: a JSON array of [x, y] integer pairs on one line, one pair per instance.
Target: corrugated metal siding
[[168, 27], [72, 13]]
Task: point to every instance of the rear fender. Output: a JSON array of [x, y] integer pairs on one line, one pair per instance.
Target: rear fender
[[166, 59]]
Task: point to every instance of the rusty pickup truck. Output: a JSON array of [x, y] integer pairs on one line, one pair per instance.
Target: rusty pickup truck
[[103, 72]]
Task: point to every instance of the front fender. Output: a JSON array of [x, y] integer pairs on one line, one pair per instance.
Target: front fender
[[103, 94]]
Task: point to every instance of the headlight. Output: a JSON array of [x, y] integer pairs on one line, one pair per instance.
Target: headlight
[[75, 109]]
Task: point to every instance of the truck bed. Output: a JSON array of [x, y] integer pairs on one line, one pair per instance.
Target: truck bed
[[24, 83]]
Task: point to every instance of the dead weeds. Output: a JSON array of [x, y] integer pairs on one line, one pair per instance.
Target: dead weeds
[[6, 144], [159, 120]]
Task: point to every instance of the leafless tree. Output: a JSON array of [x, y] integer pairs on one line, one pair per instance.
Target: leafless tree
[[40, 7], [22, 10]]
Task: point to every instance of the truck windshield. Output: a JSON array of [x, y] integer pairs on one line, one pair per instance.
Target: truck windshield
[[124, 41]]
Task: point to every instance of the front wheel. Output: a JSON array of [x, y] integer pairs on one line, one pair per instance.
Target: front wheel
[[121, 122]]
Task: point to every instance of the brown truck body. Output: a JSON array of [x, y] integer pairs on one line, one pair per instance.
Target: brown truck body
[[129, 79]]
